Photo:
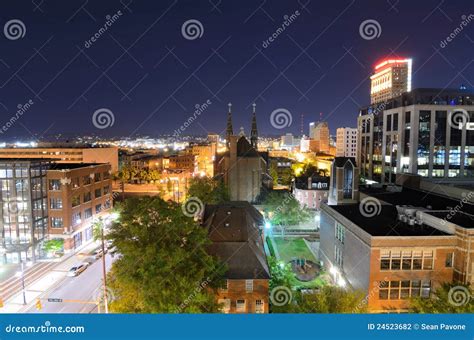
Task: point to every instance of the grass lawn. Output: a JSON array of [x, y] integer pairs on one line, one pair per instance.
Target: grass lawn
[[292, 248]]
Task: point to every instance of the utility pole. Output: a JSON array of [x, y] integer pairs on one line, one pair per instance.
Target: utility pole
[[104, 271]]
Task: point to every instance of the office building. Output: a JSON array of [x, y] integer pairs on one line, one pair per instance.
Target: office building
[[418, 133], [346, 142], [319, 132], [235, 230], [397, 243], [24, 213], [77, 194], [392, 77]]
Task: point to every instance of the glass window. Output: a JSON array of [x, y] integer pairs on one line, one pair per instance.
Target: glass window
[[97, 177], [75, 200], [425, 289], [98, 193], [86, 180], [449, 260], [76, 218], [240, 306], [75, 182], [87, 196], [56, 203], [98, 208], [249, 286], [88, 213], [54, 184], [56, 222]]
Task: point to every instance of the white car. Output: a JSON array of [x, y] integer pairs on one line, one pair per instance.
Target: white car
[[77, 269]]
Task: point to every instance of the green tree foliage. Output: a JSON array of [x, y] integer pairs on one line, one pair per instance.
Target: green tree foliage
[[208, 190], [274, 173], [284, 209], [54, 245], [328, 299], [281, 273], [128, 174], [448, 298], [163, 265]]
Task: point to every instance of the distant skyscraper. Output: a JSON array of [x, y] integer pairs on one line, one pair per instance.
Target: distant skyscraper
[[320, 133], [254, 131], [229, 129], [346, 142], [392, 77]]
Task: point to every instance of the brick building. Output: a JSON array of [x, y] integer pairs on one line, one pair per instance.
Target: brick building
[[76, 194], [235, 229]]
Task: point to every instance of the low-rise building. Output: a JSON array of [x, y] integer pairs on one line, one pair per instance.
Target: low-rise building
[[311, 191], [235, 230], [77, 193]]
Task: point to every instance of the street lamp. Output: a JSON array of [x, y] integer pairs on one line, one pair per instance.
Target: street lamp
[[21, 274]]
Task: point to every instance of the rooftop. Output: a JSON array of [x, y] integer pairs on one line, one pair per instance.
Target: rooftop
[[236, 239], [72, 166], [385, 223]]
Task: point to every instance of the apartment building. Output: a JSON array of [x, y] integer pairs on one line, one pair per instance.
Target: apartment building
[[77, 193], [346, 142], [235, 230]]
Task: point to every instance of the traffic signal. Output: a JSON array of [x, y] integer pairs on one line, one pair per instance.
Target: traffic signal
[[38, 304]]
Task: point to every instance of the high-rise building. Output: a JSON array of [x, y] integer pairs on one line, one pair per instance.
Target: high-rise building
[[392, 77], [320, 133], [24, 213], [346, 142], [419, 133]]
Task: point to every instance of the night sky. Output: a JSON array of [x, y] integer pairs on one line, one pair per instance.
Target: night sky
[[151, 77]]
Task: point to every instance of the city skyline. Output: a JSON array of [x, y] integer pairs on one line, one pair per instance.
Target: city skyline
[[150, 72]]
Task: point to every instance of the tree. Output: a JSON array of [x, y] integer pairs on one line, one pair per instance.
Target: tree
[[281, 273], [328, 299], [164, 266], [208, 190], [274, 173], [284, 209], [448, 298], [54, 245]]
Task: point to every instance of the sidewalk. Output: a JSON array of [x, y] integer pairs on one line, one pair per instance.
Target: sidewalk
[[40, 278]]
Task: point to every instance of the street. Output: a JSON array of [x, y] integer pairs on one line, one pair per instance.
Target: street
[[84, 287]]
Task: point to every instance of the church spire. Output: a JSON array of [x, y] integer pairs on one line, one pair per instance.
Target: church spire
[[230, 130], [254, 132]]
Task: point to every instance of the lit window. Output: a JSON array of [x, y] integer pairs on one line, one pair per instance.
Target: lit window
[[240, 306], [249, 286], [259, 306]]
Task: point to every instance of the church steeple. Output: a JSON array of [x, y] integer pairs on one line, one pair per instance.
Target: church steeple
[[230, 130], [254, 132]]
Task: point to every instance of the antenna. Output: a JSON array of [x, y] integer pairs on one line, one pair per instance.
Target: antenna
[[254, 106], [230, 107]]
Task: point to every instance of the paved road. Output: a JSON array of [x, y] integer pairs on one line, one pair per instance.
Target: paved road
[[85, 287]]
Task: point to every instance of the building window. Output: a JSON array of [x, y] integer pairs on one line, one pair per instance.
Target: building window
[[106, 175], [98, 193], [76, 200], [56, 203], [403, 290], [88, 213], [98, 208], [249, 286], [75, 182], [340, 232], [259, 306], [225, 285], [76, 218], [406, 260], [225, 305], [86, 180], [97, 177], [107, 203], [338, 255], [449, 260], [240, 306], [106, 189], [87, 196], [56, 222], [54, 184]]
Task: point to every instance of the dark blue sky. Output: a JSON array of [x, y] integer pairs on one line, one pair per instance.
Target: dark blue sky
[[151, 77]]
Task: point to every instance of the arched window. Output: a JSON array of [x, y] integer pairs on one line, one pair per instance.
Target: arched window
[[348, 179]]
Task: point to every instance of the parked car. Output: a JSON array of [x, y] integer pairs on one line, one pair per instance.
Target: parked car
[[98, 253], [77, 269]]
